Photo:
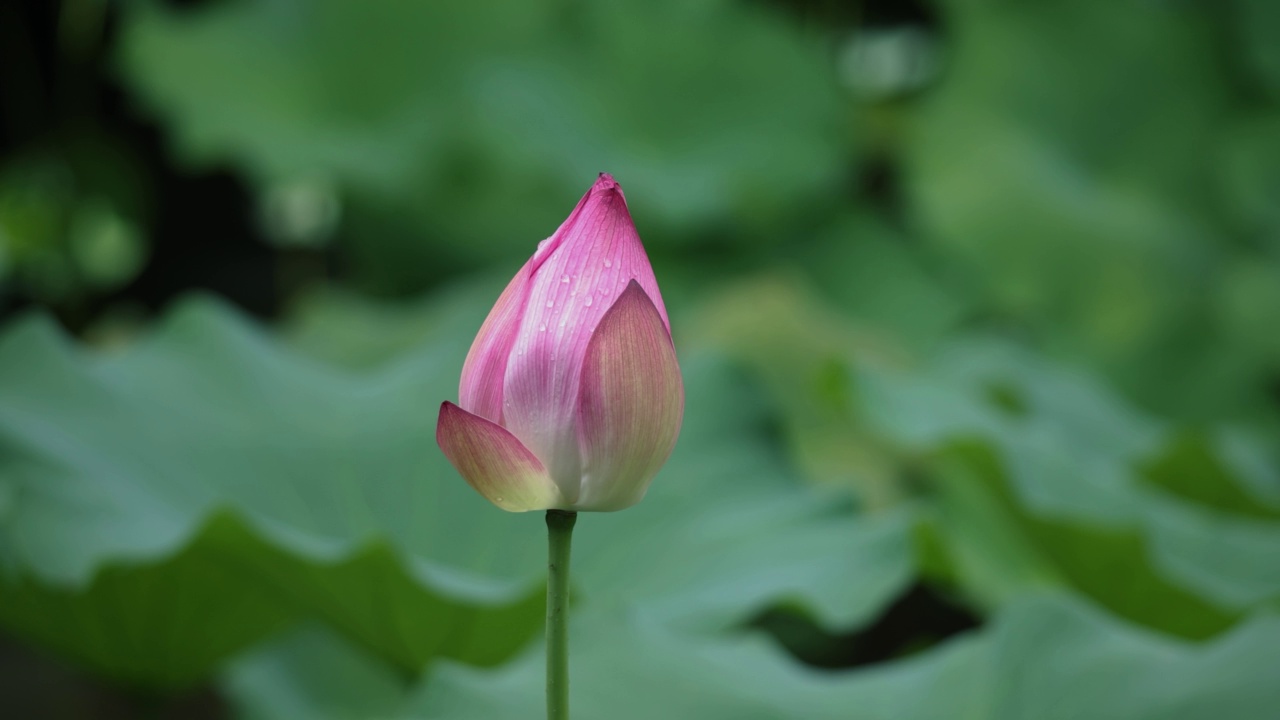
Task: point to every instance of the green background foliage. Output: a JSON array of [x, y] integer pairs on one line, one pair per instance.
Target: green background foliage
[[977, 304]]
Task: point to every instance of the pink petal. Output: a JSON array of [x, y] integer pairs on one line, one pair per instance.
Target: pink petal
[[583, 270], [631, 403], [494, 462], [480, 390]]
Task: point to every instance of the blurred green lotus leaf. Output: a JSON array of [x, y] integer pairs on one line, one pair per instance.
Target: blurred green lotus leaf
[[1040, 658], [207, 477], [1078, 201], [426, 112]]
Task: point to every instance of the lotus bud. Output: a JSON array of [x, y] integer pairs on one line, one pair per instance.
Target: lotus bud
[[570, 398]]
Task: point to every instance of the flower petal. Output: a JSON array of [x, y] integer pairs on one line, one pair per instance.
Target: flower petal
[[583, 270], [480, 389], [631, 403], [494, 462]]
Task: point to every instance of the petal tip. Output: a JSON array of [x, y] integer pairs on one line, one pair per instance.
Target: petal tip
[[606, 187], [494, 462], [630, 403]]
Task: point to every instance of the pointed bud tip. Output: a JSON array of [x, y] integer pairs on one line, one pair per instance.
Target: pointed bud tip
[[606, 184]]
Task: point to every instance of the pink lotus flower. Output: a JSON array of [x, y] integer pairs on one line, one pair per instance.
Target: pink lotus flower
[[571, 397]]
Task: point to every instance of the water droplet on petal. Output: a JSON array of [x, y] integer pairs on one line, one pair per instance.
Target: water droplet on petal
[[608, 263], [551, 303], [565, 279], [588, 301], [542, 328]]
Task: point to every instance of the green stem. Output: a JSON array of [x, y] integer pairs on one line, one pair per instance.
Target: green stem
[[559, 536]]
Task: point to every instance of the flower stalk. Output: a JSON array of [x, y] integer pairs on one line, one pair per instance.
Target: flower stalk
[[571, 397], [559, 539]]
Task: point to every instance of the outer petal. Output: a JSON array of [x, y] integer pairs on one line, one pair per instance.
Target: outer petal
[[584, 268], [631, 403], [480, 390], [494, 462]]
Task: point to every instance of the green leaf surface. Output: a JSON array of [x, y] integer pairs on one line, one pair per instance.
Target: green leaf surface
[[455, 105], [298, 490], [339, 502], [163, 623], [1036, 474], [1227, 471], [879, 277], [1256, 24], [1054, 464], [313, 674], [1043, 658], [1078, 203]]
